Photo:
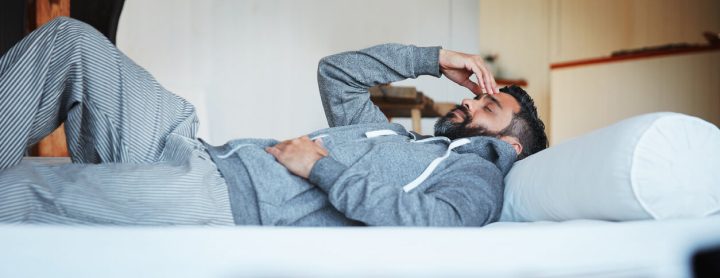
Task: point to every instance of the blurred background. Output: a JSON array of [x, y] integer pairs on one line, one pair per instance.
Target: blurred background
[[250, 66]]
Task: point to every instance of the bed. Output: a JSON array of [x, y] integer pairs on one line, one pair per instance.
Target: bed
[[650, 183], [540, 249]]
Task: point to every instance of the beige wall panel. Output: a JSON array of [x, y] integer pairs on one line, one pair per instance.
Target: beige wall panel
[[530, 35], [518, 31], [589, 97], [660, 22], [590, 28], [584, 29]]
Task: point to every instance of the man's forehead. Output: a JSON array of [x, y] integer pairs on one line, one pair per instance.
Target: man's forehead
[[506, 101]]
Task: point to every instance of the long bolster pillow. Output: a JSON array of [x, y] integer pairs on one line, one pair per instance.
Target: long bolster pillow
[[652, 166]]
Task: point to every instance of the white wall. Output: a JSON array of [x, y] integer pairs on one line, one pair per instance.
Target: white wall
[[250, 66], [170, 39]]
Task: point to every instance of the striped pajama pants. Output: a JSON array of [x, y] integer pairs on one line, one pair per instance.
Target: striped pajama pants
[[136, 160]]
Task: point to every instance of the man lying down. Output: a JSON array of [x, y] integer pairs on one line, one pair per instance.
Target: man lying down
[[137, 160]]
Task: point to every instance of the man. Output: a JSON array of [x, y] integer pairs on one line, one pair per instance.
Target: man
[[137, 161]]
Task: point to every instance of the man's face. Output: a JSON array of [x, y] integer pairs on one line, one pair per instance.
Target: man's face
[[483, 115]]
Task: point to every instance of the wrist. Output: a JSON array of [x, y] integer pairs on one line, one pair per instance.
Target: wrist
[[442, 57], [309, 166], [326, 172]]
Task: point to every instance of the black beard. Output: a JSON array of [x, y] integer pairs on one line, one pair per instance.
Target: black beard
[[445, 127]]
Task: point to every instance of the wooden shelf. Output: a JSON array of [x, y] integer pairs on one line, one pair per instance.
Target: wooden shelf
[[642, 55], [508, 82]]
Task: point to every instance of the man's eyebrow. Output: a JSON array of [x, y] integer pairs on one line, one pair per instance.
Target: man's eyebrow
[[493, 99]]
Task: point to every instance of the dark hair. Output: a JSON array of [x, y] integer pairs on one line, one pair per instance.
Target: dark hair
[[525, 125]]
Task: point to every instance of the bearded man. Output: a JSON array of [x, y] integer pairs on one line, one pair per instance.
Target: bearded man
[[137, 160]]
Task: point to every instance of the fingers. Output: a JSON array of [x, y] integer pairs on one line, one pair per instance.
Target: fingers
[[322, 151], [479, 74], [279, 149], [472, 86], [320, 148], [298, 145], [459, 67], [494, 83], [275, 152], [491, 82], [484, 77]]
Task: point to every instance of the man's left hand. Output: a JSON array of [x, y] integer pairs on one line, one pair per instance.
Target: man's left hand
[[298, 155], [459, 67]]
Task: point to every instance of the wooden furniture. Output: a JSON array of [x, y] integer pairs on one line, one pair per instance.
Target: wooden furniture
[[18, 18], [101, 14], [407, 102], [507, 82], [54, 145]]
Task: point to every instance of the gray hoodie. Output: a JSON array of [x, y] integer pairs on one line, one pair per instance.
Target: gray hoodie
[[376, 173]]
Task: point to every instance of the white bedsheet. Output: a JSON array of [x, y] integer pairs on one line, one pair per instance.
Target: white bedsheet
[[544, 249]]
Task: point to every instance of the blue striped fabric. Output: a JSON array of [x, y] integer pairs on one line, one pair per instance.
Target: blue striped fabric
[[136, 157]]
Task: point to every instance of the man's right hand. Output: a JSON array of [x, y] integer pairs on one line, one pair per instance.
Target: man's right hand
[[458, 67]]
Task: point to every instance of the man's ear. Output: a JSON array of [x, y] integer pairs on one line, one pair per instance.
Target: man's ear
[[514, 142]]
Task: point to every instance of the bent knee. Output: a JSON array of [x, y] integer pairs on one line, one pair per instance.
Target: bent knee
[[63, 22]]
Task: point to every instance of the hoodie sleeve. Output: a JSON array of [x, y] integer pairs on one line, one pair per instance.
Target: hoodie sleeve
[[344, 79], [467, 197]]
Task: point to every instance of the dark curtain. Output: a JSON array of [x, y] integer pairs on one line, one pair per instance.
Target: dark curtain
[[12, 23], [101, 14], [14, 18]]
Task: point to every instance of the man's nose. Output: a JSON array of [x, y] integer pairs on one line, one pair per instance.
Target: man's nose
[[468, 103]]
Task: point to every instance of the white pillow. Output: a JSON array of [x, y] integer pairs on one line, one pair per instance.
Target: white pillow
[[653, 166]]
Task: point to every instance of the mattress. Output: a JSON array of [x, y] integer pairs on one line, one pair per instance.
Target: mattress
[[540, 249]]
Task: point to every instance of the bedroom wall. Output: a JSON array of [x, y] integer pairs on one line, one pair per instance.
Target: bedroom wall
[[171, 39], [250, 66], [590, 28], [237, 59], [530, 35], [594, 96], [518, 31]]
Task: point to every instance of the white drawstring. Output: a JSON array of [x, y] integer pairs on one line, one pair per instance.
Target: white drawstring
[[318, 137], [377, 133], [236, 148], [413, 135], [433, 139], [425, 174], [371, 134]]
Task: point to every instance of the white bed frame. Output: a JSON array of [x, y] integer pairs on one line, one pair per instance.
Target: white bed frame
[[569, 249]]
